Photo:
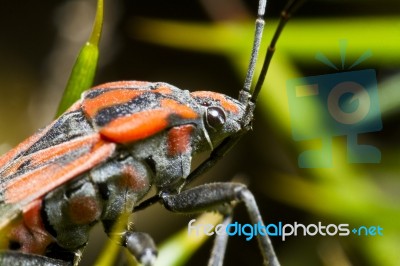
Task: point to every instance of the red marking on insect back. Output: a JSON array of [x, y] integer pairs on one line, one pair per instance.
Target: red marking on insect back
[[122, 84], [9, 156], [179, 139], [30, 232], [8, 159], [179, 109], [140, 85], [36, 159], [50, 176], [119, 95], [133, 179], [141, 125], [136, 126], [84, 210], [163, 89], [109, 98], [226, 104]]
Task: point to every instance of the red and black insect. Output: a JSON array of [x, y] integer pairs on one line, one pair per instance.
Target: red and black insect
[[101, 157]]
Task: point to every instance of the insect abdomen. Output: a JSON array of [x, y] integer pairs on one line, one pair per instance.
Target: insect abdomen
[[102, 194]]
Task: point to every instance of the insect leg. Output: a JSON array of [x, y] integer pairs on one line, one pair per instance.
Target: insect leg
[[122, 182], [15, 258], [139, 244], [142, 246], [220, 242], [211, 197], [78, 255]]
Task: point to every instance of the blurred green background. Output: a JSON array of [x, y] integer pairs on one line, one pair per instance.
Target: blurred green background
[[205, 45]]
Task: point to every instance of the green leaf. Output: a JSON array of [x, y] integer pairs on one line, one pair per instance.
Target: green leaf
[[179, 248], [84, 69]]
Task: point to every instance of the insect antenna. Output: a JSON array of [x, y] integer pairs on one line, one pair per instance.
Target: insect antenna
[[244, 95], [259, 28], [285, 15]]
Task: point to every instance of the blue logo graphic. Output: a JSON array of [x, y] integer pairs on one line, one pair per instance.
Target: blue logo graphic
[[349, 106]]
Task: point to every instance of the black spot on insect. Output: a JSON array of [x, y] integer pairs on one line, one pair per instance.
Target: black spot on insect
[[206, 102], [122, 154], [73, 188], [14, 245], [176, 120], [103, 190], [94, 93], [108, 225], [24, 164], [152, 164], [45, 218], [145, 101], [56, 252]]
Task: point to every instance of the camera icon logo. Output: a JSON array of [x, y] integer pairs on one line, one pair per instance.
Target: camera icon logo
[[349, 106]]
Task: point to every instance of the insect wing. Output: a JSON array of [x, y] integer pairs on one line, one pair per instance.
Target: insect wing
[[47, 160], [130, 111]]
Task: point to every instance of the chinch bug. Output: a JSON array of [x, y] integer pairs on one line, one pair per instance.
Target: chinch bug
[[101, 157]]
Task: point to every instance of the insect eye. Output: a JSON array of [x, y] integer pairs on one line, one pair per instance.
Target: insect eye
[[215, 117]]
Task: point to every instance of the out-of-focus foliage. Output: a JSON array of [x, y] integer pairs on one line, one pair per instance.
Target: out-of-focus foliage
[[344, 193], [83, 72]]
